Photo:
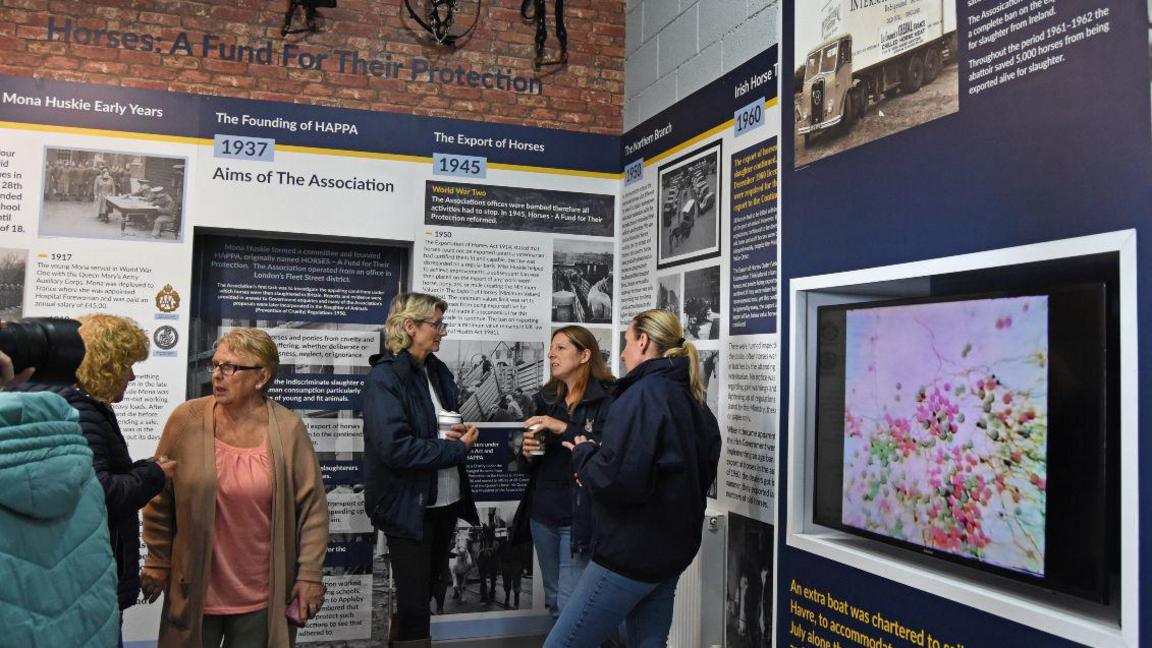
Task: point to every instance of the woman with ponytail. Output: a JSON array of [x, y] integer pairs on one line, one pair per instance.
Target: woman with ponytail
[[648, 482]]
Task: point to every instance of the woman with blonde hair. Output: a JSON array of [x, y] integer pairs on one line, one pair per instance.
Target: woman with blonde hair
[[242, 531], [554, 512], [415, 483], [648, 482], [112, 346]]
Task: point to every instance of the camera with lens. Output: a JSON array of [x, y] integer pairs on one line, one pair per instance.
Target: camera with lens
[[52, 345]]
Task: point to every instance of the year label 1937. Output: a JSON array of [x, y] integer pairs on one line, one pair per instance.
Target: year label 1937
[[244, 148]]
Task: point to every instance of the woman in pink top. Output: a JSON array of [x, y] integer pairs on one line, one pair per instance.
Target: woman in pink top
[[243, 528]]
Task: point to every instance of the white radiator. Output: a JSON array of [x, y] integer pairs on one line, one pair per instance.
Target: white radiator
[[698, 613]]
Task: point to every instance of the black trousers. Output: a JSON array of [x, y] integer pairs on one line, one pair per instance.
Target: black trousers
[[416, 569]]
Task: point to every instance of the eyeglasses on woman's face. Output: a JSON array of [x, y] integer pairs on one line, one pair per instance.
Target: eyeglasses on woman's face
[[227, 368], [439, 325]]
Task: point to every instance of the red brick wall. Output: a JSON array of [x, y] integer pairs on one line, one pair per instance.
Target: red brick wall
[[586, 95]]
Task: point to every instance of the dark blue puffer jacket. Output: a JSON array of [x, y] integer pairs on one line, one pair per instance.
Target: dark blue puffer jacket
[[649, 477], [401, 450]]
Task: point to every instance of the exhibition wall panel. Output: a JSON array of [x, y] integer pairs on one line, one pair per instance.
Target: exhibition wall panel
[[699, 238], [943, 151], [194, 214]]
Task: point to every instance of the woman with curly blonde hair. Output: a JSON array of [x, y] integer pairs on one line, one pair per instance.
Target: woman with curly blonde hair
[[112, 345]]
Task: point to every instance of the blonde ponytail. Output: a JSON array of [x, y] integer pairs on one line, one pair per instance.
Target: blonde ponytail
[[665, 331]]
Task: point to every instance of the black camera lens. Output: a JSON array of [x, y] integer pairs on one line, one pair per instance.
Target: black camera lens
[[52, 345]]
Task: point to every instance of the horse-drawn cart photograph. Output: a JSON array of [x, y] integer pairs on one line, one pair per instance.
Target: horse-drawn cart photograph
[[689, 204]]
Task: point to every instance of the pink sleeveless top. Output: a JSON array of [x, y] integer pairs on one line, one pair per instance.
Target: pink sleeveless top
[[241, 554]]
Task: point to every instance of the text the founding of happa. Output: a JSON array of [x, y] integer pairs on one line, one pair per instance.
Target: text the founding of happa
[[291, 125]]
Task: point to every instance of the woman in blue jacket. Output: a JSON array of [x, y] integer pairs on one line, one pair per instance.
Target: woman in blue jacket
[[648, 481], [415, 483], [574, 402]]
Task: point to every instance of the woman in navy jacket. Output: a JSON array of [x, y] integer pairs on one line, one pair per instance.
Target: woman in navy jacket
[[574, 402], [648, 481], [415, 483]]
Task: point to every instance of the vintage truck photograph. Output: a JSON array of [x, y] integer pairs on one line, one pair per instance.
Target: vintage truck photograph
[[870, 68]]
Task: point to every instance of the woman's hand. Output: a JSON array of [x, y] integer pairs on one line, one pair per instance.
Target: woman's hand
[[7, 372], [311, 597], [152, 583], [553, 425], [580, 438], [466, 433]]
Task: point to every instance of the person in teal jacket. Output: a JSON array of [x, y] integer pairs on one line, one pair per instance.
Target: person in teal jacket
[[57, 576]]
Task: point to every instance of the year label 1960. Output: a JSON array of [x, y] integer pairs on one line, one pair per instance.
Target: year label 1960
[[749, 117]]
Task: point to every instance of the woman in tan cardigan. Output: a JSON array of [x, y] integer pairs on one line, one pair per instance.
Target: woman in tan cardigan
[[242, 529]]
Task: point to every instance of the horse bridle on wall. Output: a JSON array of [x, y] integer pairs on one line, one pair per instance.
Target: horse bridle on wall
[[534, 10], [439, 18]]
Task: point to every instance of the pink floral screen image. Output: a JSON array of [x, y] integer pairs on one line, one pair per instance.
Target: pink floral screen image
[[946, 425]]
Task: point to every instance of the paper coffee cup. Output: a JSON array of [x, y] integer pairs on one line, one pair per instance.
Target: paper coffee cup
[[446, 420], [539, 434]]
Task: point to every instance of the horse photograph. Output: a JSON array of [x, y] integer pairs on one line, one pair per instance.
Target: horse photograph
[[702, 304], [582, 281], [496, 378], [485, 572]]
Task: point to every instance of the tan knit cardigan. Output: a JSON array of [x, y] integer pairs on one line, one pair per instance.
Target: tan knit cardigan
[[179, 523]]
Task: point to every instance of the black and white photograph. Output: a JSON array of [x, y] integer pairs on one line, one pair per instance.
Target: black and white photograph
[[496, 379], [582, 281], [669, 288], [748, 593], [689, 208], [112, 195], [603, 335], [856, 81], [709, 363], [485, 572], [701, 317], [13, 263]]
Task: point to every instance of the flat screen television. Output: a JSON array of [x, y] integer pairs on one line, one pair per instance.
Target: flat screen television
[[972, 428]]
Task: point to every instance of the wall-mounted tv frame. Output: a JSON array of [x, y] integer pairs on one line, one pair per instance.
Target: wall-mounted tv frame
[[973, 428], [1039, 606]]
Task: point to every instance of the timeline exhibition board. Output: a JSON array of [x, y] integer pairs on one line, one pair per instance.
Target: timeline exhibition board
[[305, 221]]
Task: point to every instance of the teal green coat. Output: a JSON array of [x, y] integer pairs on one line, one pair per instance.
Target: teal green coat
[[57, 576]]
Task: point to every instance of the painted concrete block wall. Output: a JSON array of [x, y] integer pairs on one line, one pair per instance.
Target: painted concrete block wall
[[675, 47]]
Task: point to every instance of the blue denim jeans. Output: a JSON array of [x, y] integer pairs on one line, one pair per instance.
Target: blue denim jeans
[[603, 599], [554, 551], [579, 563]]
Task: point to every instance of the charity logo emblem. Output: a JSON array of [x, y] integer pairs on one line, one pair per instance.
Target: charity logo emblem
[[165, 337], [167, 300]]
